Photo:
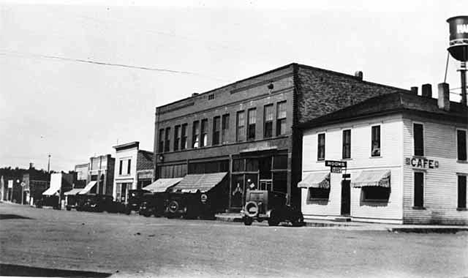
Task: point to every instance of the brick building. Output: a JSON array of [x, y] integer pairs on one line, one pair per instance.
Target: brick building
[[406, 159], [134, 169], [249, 128]]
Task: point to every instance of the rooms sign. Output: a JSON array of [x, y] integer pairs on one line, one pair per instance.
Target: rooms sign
[[421, 162]]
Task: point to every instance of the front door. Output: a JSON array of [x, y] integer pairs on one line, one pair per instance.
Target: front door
[[345, 197]]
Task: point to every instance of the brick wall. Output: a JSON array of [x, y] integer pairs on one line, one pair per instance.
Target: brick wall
[[145, 160]]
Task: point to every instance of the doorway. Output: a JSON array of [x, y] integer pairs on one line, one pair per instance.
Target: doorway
[[345, 197]]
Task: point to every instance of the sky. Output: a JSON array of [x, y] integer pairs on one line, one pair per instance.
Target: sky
[[79, 77]]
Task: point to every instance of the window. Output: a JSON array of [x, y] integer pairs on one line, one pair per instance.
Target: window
[[280, 162], [375, 138], [321, 147], [216, 130], [462, 192], [238, 165], [176, 137], [376, 193], [319, 194], [196, 134], [204, 132], [183, 143], [125, 166], [240, 135], [461, 144], [120, 167], [347, 143], [268, 121], [210, 96], [418, 138], [281, 119], [418, 189], [225, 129], [129, 166], [161, 141], [252, 115], [167, 144]]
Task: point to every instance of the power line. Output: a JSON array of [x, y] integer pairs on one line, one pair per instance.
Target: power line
[[16, 53]]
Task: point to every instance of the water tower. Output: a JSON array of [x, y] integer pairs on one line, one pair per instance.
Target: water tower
[[458, 47]]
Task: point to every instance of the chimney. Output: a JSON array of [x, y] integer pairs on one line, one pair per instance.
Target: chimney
[[359, 75], [444, 94], [427, 90], [414, 90]]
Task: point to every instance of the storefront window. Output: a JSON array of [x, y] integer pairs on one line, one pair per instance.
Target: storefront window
[[238, 165], [316, 194], [461, 192], [252, 165], [376, 193]]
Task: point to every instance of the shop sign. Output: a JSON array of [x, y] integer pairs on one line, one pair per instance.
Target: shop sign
[[423, 163], [334, 163], [334, 169]]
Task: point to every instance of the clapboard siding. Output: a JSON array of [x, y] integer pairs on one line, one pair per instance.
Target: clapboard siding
[[440, 184], [390, 159]]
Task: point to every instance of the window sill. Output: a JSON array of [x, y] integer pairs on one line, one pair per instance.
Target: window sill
[[462, 161], [374, 157], [321, 160], [419, 208], [375, 201], [347, 159], [462, 209]]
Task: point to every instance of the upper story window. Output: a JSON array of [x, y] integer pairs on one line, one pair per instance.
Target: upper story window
[[252, 115], [268, 121], [347, 143], [125, 166], [321, 146], [240, 135], [461, 145], [216, 130], [196, 134], [176, 137], [204, 132], [418, 139], [211, 96], [375, 138], [161, 140], [281, 118], [167, 144], [225, 129], [183, 141]]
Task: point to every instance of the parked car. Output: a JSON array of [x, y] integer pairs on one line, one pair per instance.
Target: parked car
[[153, 204], [48, 201], [96, 203], [135, 197], [74, 201], [191, 205], [271, 206]]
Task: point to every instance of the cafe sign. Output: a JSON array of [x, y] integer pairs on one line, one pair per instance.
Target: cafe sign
[[422, 163]]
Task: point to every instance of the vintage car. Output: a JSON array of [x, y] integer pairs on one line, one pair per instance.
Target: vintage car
[[271, 206], [48, 201], [135, 197], [153, 204], [191, 205], [96, 203], [74, 202]]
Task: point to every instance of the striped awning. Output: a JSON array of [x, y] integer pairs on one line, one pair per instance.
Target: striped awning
[[199, 182], [88, 187], [74, 191], [161, 185], [316, 180], [372, 178]]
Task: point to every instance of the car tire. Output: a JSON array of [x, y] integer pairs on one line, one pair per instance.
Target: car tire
[[298, 220], [248, 221]]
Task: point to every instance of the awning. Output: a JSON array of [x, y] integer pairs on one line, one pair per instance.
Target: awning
[[372, 178], [199, 182], [88, 187], [73, 191], [55, 185], [161, 185], [316, 180]]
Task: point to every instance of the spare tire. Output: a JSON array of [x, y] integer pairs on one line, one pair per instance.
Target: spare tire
[[173, 207], [251, 209]]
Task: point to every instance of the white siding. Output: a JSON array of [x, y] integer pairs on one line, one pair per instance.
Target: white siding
[[391, 159], [440, 188]]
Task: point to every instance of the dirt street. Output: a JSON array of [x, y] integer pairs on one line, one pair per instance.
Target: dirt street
[[118, 245]]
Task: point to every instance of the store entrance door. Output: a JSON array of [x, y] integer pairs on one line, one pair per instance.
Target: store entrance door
[[345, 197]]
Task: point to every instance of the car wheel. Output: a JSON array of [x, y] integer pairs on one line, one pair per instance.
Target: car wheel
[[274, 218], [128, 211], [248, 221], [68, 208], [298, 220]]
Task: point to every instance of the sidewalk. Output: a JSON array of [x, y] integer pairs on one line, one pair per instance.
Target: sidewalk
[[363, 226]]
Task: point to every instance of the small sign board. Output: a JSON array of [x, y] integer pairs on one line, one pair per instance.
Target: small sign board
[[334, 163], [334, 169], [346, 176]]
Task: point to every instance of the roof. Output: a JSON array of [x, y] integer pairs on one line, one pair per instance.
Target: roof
[[199, 182], [398, 102], [127, 145]]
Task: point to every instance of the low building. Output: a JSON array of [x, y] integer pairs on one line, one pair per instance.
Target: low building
[[59, 184], [34, 183], [405, 155], [134, 169], [81, 175]]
